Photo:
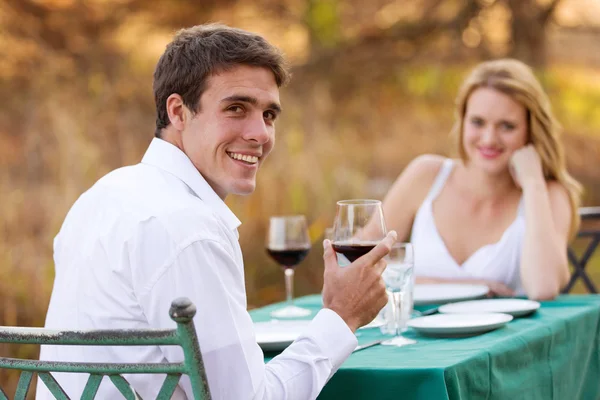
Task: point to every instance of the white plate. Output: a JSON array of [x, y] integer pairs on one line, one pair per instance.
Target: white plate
[[455, 325], [277, 335], [514, 307], [437, 293]]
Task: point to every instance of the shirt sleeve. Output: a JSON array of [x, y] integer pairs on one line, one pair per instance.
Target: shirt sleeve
[[207, 273]]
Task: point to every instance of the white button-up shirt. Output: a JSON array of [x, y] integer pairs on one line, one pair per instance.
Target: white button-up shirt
[[146, 234]]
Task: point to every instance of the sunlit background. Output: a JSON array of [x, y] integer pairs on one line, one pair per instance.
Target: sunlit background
[[374, 84]]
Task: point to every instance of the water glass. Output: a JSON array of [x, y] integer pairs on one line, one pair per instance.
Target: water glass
[[399, 281]]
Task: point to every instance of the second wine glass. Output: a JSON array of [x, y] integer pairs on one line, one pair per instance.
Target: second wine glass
[[288, 244]]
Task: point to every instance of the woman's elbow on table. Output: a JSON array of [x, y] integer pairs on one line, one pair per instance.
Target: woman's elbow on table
[[548, 282], [546, 294], [546, 291]]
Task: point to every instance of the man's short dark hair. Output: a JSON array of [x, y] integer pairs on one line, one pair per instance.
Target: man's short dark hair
[[198, 52]]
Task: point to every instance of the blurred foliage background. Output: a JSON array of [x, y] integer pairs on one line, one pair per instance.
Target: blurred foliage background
[[374, 85]]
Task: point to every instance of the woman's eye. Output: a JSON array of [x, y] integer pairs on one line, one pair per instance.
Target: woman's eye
[[477, 122], [507, 126]]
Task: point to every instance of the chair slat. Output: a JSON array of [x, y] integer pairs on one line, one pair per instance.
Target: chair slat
[[168, 387], [53, 386], [580, 263], [23, 385], [91, 368], [116, 337], [124, 387], [587, 213], [91, 387]]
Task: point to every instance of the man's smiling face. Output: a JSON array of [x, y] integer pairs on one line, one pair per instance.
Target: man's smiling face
[[234, 130]]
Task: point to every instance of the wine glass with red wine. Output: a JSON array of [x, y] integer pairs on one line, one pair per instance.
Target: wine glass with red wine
[[288, 244], [358, 227]]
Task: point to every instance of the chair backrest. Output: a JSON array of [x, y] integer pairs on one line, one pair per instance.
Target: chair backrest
[[182, 312], [588, 215]]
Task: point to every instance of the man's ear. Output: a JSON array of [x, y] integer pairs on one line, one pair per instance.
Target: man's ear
[[176, 111]]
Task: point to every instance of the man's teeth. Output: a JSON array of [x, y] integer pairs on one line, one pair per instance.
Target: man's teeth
[[242, 157]]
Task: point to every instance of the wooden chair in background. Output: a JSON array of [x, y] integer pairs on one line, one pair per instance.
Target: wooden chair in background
[[588, 214]]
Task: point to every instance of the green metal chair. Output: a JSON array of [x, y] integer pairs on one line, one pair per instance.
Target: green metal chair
[[182, 312]]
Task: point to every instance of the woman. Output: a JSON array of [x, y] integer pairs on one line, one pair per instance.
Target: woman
[[503, 212]]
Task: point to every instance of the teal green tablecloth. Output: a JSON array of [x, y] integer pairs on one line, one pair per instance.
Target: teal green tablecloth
[[553, 354]]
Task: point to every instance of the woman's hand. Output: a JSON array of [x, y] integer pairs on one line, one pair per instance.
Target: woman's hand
[[498, 289], [526, 167]]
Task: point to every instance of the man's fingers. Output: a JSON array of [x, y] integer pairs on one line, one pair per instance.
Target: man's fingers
[[381, 250], [380, 266], [329, 256]]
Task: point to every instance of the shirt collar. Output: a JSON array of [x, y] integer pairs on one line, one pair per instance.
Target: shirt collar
[[169, 158]]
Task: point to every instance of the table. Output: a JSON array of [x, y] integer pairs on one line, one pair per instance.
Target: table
[[553, 354]]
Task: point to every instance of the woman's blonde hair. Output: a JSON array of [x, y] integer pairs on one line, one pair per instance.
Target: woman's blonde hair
[[517, 80]]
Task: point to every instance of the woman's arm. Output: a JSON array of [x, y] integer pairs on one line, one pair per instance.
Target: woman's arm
[[544, 265]]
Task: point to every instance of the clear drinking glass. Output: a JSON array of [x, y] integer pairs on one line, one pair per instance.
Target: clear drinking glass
[[288, 244], [398, 278], [358, 227]]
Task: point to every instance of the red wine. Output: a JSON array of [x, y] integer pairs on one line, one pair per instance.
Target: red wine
[[288, 258], [353, 251]]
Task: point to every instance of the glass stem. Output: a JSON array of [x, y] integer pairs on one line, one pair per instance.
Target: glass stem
[[289, 286], [397, 311]]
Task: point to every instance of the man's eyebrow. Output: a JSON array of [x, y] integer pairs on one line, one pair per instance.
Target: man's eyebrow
[[252, 100]]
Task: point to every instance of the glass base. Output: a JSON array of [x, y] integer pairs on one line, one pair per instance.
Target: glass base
[[290, 312], [398, 341]]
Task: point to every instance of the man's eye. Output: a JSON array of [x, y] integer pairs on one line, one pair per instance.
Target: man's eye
[[236, 109], [270, 115]]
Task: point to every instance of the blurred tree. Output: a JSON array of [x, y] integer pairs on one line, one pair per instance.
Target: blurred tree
[[528, 29], [84, 31], [341, 34]]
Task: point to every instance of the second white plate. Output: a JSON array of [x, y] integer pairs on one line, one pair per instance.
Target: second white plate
[[455, 325], [439, 293], [514, 307]]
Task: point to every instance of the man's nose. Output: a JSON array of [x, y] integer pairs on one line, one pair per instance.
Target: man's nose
[[257, 130]]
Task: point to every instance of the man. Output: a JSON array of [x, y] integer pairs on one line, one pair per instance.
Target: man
[[146, 234]]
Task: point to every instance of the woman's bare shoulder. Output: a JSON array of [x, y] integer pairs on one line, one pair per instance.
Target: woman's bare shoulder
[[424, 168], [414, 182]]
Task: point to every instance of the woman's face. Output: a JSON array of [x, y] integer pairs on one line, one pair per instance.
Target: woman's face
[[494, 127]]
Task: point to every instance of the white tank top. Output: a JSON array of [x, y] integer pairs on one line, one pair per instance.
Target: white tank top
[[496, 262]]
